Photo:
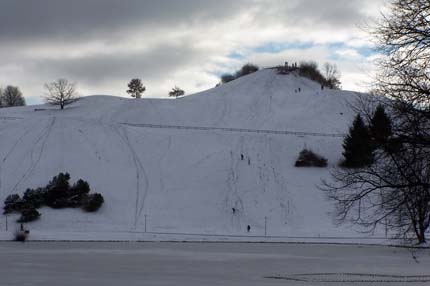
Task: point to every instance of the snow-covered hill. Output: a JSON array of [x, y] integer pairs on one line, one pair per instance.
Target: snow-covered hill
[[182, 165]]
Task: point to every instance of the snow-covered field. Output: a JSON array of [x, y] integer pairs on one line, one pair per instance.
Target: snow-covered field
[[199, 264], [180, 166]]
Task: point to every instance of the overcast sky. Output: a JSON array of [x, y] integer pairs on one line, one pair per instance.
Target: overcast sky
[[102, 44]]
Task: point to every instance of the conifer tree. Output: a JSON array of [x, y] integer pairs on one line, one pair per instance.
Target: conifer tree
[[136, 88], [176, 92], [357, 145], [380, 126]]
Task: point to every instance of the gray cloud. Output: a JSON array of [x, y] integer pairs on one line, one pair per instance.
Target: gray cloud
[[103, 43], [98, 69], [86, 18], [333, 13]]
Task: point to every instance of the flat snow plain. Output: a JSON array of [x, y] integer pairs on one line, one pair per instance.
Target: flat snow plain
[[86, 263]]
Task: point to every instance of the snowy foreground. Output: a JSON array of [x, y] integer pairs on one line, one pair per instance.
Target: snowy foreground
[[199, 264], [181, 166]]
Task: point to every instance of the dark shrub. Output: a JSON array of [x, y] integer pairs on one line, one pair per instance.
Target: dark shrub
[[12, 204], [310, 70], [21, 235], [246, 70], [57, 194], [78, 193], [36, 198], [307, 158], [28, 215], [227, 78], [57, 191], [81, 187], [93, 202]]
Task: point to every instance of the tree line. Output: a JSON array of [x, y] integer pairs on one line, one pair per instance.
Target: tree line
[[62, 92]]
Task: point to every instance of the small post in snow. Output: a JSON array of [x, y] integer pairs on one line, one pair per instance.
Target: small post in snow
[[265, 226], [6, 221], [145, 222], [386, 228]]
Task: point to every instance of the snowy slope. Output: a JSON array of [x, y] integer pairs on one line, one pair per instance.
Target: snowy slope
[[153, 162]]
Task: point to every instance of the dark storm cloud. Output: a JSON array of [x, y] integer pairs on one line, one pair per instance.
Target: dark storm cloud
[[98, 69], [65, 18]]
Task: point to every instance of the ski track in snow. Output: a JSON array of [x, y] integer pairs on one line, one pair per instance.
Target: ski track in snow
[[279, 180], [233, 198], [142, 179], [163, 160], [227, 103], [92, 145], [140, 200], [42, 138], [261, 105], [12, 149]]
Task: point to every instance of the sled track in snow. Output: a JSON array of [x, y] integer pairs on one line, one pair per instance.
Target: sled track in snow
[[236, 130], [140, 169], [35, 158], [10, 118], [11, 150]]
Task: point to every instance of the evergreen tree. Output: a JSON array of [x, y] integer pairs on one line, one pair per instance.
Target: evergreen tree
[[176, 92], [357, 145], [93, 202], [12, 203], [57, 191], [380, 126], [136, 88]]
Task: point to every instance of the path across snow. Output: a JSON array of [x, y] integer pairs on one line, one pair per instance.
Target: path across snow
[[236, 130]]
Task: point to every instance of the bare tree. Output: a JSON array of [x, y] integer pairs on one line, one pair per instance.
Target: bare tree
[[136, 88], [60, 92], [404, 37], [12, 96], [332, 75], [176, 92], [394, 191]]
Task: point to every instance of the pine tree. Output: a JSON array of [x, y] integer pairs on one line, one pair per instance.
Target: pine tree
[[176, 92], [357, 145], [136, 88], [380, 126]]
